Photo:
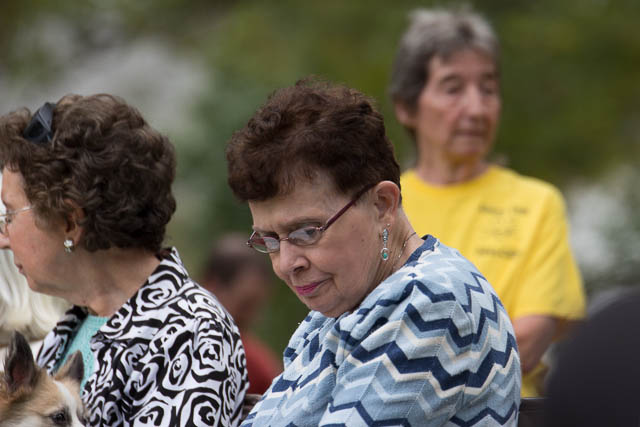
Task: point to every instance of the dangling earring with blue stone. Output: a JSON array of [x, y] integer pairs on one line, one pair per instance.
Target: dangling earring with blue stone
[[384, 253]]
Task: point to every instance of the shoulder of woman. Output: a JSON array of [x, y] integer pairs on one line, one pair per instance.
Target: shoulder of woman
[[184, 307], [203, 335], [206, 309], [515, 182], [434, 282]]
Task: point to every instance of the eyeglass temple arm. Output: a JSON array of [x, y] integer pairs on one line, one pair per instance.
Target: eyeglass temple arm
[[343, 210]]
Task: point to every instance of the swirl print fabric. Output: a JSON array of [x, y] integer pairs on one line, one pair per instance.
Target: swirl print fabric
[[171, 356], [430, 346]]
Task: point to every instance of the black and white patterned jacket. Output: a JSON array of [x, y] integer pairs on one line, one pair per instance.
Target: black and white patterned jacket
[[171, 356]]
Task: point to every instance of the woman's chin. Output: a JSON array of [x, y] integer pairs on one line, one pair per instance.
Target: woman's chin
[[35, 287], [326, 310]]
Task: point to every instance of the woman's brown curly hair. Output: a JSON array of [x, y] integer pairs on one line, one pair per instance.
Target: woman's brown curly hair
[[103, 158], [313, 126]]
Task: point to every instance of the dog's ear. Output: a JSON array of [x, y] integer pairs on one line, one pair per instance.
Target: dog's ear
[[20, 369], [73, 369]]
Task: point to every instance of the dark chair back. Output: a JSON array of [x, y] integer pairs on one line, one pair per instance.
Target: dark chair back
[[532, 412]]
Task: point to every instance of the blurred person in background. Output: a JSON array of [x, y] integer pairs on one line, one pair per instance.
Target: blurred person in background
[[403, 330], [445, 86], [21, 309], [241, 279], [87, 188]]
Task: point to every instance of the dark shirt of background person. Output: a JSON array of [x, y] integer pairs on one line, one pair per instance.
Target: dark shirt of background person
[[595, 382]]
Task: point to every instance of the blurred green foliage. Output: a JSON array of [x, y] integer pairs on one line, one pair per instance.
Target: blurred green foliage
[[571, 93]]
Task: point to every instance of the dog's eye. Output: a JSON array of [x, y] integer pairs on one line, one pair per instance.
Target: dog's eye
[[60, 418]]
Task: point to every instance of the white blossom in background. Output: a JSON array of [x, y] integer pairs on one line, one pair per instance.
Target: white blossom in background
[[160, 81], [605, 230]]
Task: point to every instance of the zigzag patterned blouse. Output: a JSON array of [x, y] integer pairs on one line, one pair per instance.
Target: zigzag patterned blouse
[[430, 346], [171, 356]]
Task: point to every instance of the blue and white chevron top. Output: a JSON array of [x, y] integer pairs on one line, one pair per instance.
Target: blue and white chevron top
[[431, 345]]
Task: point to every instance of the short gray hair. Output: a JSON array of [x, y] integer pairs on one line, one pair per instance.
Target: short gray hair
[[432, 33]]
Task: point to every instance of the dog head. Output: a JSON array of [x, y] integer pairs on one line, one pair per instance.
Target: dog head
[[30, 397]]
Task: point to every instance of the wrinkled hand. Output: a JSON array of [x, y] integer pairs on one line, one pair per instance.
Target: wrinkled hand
[[250, 401]]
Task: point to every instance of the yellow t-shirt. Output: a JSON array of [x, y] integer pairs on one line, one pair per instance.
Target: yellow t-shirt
[[514, 229]]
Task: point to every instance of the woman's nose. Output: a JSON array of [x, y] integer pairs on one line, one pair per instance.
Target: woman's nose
[[290, 258], [474, 102]]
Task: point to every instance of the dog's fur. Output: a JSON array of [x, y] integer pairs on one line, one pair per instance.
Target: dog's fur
[[29, 397]]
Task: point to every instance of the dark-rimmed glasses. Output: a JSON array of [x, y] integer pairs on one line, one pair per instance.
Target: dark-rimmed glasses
[[304, 236], [39, 129], [7, 217]]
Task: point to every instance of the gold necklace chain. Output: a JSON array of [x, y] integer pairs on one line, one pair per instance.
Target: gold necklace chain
[[404, 245]]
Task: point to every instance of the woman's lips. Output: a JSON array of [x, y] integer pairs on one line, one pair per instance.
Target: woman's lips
[[307, 289], [472, 133]]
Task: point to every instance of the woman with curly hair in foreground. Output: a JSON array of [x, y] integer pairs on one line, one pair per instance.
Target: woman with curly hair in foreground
[[87, 186]]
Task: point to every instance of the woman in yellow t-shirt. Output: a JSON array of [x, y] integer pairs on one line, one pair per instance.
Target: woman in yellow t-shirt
[[445, 86]]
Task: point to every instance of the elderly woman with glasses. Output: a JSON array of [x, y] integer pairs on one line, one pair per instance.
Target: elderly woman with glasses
[[87, 188], [402, 330]]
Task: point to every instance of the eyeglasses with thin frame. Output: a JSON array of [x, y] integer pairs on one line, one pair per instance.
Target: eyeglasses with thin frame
[[304, 236], [7, 217]]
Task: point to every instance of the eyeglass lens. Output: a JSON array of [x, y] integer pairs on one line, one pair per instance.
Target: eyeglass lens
[[301, 237]]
